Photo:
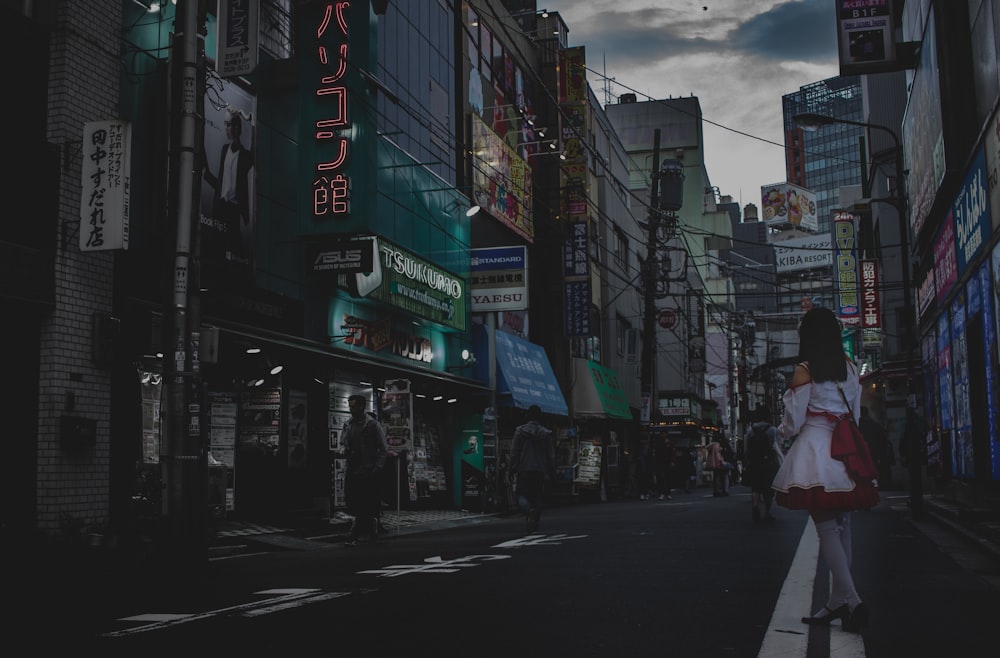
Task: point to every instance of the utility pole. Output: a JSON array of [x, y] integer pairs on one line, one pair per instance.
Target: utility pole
[[649, 270], [186, 467]]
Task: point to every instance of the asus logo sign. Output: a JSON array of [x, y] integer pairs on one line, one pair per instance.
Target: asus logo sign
[[338, 259]]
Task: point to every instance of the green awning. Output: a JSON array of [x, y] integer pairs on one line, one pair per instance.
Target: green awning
[[597, 391]]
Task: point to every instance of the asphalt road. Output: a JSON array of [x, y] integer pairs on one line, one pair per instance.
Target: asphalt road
[[688, 577]]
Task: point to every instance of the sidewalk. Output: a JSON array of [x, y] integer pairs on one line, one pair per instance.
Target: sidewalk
[[980, 525]]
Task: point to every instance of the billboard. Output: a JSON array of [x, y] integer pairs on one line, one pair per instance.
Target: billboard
[[784, 205], [864, 36], [845, 231], [803, 253]]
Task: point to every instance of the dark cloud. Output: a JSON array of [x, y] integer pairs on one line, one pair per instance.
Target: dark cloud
[[803, 30]]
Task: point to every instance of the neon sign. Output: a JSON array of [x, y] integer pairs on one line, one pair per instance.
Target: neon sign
[[331, 188]]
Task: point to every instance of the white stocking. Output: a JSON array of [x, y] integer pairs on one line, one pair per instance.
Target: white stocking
[[842, 584], [844, 526]]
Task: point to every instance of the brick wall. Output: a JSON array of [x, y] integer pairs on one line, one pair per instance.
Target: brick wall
[[72, 494]]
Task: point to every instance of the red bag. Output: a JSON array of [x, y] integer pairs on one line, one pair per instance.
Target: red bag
[[849, 446]]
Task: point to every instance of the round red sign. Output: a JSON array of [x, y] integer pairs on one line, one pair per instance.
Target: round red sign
[[667, 318]]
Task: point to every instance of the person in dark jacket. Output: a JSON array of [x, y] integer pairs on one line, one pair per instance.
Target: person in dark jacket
[[764, 456], [366, 453], [532, 461]]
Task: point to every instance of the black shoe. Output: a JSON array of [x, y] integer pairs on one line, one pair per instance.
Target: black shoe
[[843, 612], [857, 620], [756, 515], [351, 543]]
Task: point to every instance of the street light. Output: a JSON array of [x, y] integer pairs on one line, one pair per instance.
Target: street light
[[813, 121]]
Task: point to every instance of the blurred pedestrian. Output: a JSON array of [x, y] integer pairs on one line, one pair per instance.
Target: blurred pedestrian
[[663, 462], [878, 445], [825, 385], [366, 454], [687, 468], [715, 461], [532, 461], [763, 457]]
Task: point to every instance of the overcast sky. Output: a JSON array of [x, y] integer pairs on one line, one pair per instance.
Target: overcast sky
[[739, 57]]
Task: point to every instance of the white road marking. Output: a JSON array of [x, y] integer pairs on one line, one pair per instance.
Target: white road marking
[[536, 540], [786, 634], [435, 564], [166, 620]]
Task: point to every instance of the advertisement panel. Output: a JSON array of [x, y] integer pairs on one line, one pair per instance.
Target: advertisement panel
[[408, 282], [945, 260], [785, 205], [803, 253], [236, 43], [106, 185], [871, 306], [229, 181], [922, 138], [992, 163], [498, 279], [845, 232], [501, 181], [864, 36], [971, 209]]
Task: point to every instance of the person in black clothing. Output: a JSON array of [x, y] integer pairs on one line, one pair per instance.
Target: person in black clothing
[[763, 459], [663, 462], [875, 435], [366, 453], [532, 461]]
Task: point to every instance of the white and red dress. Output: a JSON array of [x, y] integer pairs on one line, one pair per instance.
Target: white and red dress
[[809, 478]]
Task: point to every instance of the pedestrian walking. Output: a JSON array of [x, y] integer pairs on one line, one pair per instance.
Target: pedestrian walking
[[366, 454], [715, 461], [663, 462], [532, 461], [878, 444], [825, 385], [763, 457], [687, 468]]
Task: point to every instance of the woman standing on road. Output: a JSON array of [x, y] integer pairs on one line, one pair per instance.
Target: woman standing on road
[[809, 478]]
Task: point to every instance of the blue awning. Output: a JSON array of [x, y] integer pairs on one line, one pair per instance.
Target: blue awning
[[524, 374]]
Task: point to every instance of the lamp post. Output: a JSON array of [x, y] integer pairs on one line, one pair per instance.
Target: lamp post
[[813, 121]]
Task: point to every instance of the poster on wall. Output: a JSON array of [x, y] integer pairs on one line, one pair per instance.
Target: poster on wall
[[222, 413], [228, 191], [929, 370], [152, 389], [944, 379], [297, 428], [962, 447], [993, 345], [260, 422], [397, 414], [588, 471]]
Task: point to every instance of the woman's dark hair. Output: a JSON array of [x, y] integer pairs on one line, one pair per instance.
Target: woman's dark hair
[[819, 344]]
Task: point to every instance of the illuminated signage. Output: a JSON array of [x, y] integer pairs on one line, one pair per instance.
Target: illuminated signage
[[331, 187], [845, 234], [871, 317]]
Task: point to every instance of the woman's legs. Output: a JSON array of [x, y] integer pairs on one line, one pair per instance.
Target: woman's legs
[[838, 558]]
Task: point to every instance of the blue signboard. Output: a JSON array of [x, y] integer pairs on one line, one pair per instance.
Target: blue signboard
[[990, 365], [971, 209], [962, 449]]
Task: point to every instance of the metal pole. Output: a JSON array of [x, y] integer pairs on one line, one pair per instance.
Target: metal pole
[[184, 454], [647, 370], [909, 428]]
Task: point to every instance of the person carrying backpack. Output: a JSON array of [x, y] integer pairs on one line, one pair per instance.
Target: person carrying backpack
[[764, 456]]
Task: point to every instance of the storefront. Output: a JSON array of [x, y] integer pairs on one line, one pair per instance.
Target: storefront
[[606, 427], [523, 377]]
